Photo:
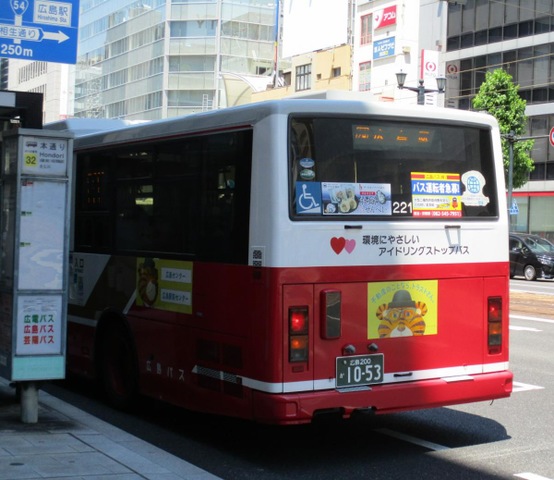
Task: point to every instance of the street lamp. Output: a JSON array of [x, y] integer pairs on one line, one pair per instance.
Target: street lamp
[[420, 90]]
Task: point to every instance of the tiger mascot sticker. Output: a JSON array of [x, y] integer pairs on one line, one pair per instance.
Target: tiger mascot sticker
[[402, 317], [402, 309]]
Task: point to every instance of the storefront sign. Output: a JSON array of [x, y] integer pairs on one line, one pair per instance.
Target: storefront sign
[[384, 17], [384, 48]]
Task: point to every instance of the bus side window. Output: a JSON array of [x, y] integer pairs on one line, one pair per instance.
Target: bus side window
[[176, 212], [218, 208], [225, 199], [133, 225], [92, 209], [177, 196]]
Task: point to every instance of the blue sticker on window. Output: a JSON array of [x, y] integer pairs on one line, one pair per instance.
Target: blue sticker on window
[[308, 198]]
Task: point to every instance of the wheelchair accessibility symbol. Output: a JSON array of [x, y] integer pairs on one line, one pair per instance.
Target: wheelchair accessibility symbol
[[308, 197]]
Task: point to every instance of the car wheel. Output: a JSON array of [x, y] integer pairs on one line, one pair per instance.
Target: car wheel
[[529, 272]]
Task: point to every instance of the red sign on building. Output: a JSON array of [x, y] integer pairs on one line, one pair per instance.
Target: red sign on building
[[383, 18]]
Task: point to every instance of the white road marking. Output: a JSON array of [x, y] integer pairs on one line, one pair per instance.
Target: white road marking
[[531, 476], [534, 319], [525, 329], [523, 387], [408, 438]]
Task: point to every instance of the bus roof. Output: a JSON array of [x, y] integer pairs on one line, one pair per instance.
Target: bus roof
[[248, 115], [86, 126]]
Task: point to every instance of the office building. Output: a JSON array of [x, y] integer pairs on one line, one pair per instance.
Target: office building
[[151, 59], [361, 46], [517, 36], [52, 80]]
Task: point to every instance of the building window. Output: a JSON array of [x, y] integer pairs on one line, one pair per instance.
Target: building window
[[193, 28], [32, 70], [532, 68], [542, 153], [335, 72], [365, 77], [365, 36], [303, 77], [495, 21]]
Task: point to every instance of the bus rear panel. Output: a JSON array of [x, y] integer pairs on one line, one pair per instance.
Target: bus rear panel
[[286, 259]]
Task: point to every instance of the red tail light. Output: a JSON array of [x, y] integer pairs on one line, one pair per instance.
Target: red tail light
[[298, 321], [298, 334], [494, 322]]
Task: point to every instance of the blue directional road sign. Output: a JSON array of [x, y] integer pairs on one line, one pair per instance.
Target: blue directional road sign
[[40, 30]]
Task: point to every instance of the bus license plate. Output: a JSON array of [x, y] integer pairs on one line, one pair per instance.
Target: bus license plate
[[359, 370]]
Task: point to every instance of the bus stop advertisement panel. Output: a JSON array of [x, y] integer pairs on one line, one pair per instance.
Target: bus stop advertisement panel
[[35, 201]]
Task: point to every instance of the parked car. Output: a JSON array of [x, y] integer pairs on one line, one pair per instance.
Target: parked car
[[531, 256]]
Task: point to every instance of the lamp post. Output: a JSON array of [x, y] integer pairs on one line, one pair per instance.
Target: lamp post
[[420, 90]]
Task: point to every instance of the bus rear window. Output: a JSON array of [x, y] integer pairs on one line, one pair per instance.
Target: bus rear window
[[375, 169]]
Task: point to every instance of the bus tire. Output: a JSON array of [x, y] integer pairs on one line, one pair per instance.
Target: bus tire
[[118, 370]]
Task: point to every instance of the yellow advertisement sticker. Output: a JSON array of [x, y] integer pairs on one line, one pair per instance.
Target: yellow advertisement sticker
[[164, 284], [402, 309], [436, 195]]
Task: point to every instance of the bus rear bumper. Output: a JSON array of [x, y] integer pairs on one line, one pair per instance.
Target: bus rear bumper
[[289, 409]]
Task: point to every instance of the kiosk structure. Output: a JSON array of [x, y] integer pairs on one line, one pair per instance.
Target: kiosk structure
[[35, 196]]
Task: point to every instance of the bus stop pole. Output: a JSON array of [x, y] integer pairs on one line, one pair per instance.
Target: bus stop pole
[[29, 402]]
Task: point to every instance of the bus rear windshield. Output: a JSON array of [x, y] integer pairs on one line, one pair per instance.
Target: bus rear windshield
[[371, 169]]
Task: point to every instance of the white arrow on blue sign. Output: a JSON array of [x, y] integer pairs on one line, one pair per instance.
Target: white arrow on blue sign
[[40, 30]]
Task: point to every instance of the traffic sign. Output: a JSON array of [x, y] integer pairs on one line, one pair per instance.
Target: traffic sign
[[551, 136], [39, 30]]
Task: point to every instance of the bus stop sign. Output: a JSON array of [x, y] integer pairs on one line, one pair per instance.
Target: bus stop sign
[[39, 30]]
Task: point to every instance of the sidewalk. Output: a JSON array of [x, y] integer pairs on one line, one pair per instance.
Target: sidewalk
[[69, 444]]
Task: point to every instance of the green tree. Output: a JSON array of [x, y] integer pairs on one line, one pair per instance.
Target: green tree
[[498, 96]]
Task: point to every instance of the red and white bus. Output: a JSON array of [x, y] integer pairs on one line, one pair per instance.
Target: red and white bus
[[289, 258]]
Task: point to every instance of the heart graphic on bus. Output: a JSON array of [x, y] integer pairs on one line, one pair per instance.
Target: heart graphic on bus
[[350, 245], [338, 244]]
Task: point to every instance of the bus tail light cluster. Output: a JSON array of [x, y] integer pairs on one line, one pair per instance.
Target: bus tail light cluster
[[298, 334], [494, 322], [330, 308]]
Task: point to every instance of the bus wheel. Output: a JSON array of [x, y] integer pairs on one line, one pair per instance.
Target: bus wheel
[[529, 272], [118, 370]]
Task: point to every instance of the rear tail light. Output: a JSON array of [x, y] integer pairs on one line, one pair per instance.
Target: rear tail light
[[330, 314], [298, 334], [494, 322]]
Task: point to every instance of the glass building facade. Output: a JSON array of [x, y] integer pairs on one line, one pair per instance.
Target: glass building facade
[[152, 59], [493, 25], [517, 36]]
